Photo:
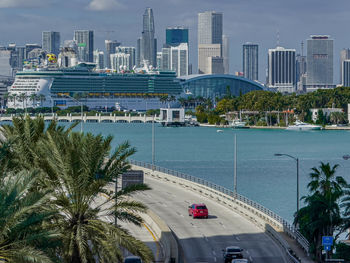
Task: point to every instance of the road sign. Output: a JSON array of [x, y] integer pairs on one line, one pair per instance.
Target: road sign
[[327, 240], [327, 248]]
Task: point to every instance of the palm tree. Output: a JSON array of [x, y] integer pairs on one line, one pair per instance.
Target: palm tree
[[42, 98], [21, 141], [23, 235], [33, 98], [23, 98], [321, 216], [83, 182]]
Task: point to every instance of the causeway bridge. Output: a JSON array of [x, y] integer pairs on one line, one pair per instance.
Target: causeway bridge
[[127, 118]]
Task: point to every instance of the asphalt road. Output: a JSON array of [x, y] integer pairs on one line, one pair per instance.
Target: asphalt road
[[202, 240]]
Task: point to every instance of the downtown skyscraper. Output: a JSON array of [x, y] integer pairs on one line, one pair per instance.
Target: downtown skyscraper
[[148, 44], [319, 63], [281, 69], [85, 42], [250, 61], [210, 29], [51, 42]]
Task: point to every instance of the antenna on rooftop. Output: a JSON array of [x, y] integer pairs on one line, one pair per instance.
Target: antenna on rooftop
[[278, 37]]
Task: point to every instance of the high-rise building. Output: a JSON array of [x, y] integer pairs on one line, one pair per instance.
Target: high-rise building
[[5, 67], [176, 35], [99, 59], [30, 47], [345, 81], [344, 55], [111, 46], [131, 51], [226, 53], [138, 52], [179, 59], [120, 62], [166, 58], [319, 63], [281, 69], [148, 44], [251, 61], [159, 60], [206, 51], [85, 42], [210, 28], [300, 71], [51, 42]]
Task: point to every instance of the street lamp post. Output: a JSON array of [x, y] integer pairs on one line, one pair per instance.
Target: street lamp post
[[153, 145], [235, 168], [297, 160]]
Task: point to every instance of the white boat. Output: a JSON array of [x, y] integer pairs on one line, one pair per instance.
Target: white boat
[[302, 126], [237, 124]]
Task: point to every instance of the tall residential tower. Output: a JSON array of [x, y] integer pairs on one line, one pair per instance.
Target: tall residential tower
[[319, 63], [210, 28], [281, 69], [51, 42], [148, 44], [85, 42], [250, 61]]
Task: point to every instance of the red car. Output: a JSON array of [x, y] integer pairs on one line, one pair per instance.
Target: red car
[[198, 210]]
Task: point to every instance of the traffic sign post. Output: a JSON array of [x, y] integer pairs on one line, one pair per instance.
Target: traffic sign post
[[327, 248], [327, 242]]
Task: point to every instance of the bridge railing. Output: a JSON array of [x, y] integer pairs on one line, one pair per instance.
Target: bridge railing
[[288, 228]]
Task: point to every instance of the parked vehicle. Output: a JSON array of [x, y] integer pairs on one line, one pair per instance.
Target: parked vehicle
[[232, 252], [198, 210], [132, 259]]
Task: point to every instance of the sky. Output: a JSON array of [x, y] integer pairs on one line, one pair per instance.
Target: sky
[[257, 21]]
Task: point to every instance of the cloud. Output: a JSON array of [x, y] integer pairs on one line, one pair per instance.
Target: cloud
[[103, 5], [23, 3]]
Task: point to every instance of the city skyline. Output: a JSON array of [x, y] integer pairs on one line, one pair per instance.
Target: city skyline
[[244, 22]]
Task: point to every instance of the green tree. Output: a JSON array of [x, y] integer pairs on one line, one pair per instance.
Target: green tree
[[84, 196], [321, 215], [23, 234], [321, 118]]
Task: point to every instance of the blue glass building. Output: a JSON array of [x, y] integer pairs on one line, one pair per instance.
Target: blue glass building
[[176, 35]]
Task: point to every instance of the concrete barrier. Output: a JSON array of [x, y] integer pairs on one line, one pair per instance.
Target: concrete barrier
[[165, 236]]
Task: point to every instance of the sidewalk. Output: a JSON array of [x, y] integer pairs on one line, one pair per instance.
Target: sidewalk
[[296, 248]]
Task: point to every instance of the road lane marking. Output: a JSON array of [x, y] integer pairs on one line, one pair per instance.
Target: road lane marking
[[237, 238], [250, 259], [215, 259], [155, 240], [214, 253]]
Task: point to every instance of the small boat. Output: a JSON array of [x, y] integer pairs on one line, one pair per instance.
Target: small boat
[[219, 130], [302, 126], [237, 124]]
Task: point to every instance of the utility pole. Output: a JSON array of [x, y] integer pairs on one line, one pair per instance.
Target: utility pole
[[235, 168], [153, 145]]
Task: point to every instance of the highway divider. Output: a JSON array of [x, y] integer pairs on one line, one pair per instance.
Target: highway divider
[[164, 235], [252, 210]]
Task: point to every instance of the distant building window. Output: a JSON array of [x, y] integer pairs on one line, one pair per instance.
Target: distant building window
[[320, 56]]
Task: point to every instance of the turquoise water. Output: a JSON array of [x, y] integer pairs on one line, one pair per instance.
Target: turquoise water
[[205, 153]]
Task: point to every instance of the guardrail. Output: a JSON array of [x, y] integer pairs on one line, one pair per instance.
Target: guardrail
[[288, 228]]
